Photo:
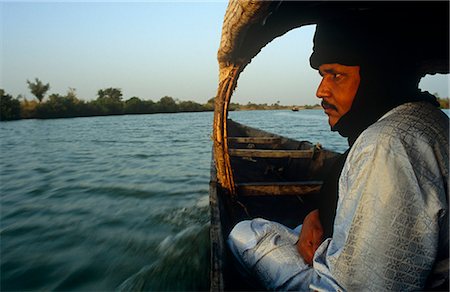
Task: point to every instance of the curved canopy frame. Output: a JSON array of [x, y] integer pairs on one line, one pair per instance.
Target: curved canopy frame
[[249, 26]]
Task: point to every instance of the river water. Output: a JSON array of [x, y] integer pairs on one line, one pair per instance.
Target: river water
[[118, 202]]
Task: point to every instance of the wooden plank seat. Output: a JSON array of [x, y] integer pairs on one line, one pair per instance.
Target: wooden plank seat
[[254, 140], [278, 188], [261, 153]]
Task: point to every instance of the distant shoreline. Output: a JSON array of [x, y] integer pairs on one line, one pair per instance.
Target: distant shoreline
[[110, 103], [300, 108], [285, 108]]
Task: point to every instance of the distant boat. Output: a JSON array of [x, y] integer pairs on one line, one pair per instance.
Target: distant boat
[[295, 109]]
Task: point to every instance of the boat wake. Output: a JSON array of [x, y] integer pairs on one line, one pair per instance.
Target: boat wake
[[183, 264]]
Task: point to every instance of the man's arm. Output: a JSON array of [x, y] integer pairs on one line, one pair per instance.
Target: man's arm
[[311, 236], [318, 224]]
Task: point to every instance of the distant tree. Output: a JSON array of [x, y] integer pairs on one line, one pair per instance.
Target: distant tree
[[134, 105], [109, 102], [167, 105], [443, 102], [72, 93], [209, 106], [234, 106], [110, 93], [38, 88], [190, 106], [9, 107], [60, 106], [28, 109]]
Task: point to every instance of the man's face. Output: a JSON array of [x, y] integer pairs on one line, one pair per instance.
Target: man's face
[[337, 89]]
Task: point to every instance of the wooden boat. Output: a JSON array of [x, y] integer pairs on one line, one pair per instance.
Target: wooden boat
[[275, 176], [260, 174], [295, 109]]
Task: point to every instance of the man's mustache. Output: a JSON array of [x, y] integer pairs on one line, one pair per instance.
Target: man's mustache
[[327, 105]]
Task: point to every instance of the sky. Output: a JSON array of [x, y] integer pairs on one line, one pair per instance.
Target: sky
[[149, 49]]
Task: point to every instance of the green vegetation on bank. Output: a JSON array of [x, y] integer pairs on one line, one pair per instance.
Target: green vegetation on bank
[[110, 102]]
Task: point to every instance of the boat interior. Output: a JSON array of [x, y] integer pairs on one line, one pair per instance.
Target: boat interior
[[276, 178]]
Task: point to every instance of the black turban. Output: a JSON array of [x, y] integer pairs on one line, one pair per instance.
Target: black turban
[[386, 56], [339, 41]]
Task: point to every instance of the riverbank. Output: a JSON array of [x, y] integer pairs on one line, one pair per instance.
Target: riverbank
[[69, 106]]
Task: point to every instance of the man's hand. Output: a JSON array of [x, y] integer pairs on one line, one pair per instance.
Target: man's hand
[[310, 237]]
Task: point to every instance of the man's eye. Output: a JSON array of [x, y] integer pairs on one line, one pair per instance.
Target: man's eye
[[337, 75]]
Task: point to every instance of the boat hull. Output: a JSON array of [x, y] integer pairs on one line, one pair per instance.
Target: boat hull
[[276, 178]]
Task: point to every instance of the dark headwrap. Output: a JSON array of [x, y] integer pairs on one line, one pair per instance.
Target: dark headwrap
[[388, 79], [387, 67]]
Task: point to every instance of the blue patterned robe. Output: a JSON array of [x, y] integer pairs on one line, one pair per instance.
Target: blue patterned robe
[[391, 225]]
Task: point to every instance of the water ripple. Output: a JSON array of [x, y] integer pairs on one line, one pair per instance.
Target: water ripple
[[101, 202]]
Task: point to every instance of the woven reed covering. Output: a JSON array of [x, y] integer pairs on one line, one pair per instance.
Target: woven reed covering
[[249, 26]]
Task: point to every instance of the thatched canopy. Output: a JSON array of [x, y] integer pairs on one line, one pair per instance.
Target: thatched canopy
[[250, 25]]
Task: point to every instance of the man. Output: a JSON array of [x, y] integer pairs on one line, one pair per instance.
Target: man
[[382, 224]]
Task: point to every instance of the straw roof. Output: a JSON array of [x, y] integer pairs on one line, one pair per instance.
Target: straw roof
[[249, 26]]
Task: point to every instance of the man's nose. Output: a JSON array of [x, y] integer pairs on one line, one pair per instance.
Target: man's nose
[[323, 90]]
